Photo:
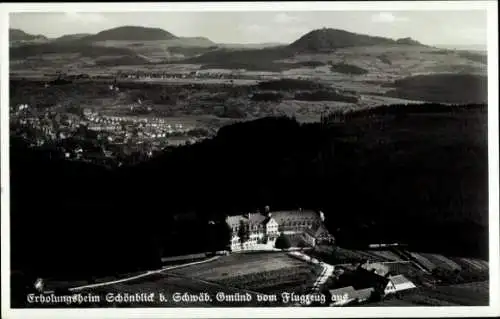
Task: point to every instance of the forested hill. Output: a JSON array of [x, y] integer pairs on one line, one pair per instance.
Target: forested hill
[[412, 173]]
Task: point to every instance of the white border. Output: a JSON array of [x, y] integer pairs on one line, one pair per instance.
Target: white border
[[389, 312]]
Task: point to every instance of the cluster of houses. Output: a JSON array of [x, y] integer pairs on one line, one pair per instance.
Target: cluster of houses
[[123, 126], [265, 227], [367, 281], [114, 133]]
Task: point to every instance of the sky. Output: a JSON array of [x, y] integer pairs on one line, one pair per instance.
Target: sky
[[428, 27]]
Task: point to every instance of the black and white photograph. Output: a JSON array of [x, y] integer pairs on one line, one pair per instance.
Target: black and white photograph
[[329, 158]]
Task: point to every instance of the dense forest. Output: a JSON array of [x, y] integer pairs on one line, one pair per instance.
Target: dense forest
[[415, 174]]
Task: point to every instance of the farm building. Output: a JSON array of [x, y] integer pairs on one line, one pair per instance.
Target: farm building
[[378, 268], [400, 283], [264, 227], [363, 278], [317, 234]]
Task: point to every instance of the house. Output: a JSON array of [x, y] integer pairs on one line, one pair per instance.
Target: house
[[385, 284], [400, 283], [256, 226], [378, 268], [270, 227], [362, 279], [317, 234], [264, 227]]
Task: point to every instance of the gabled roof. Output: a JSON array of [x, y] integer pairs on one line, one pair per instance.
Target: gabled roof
[[401, 282], [254, 218], [267, 220], [320, 229]]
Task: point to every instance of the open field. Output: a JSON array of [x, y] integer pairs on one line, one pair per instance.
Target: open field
[[262, 272], [338, 255], [474, 294], [240, 264], [442, 262]]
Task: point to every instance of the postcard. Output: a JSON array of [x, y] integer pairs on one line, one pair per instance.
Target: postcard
[[267, 159]]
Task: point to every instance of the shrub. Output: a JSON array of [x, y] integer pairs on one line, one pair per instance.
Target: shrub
[[282, 242], [348, 69]]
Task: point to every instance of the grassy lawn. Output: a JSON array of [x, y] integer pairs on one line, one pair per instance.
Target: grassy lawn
[[239, 265], [262, 272], [338, 255], [472, 294], [454, 295]]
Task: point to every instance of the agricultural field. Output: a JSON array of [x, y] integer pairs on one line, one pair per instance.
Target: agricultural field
[[338, 255], [453, 295], [423, 261], [439, 261], [262, 272], [473, 294], [385, 254], [471, 264]]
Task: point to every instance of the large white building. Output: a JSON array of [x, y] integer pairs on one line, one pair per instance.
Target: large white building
[[265, 227]]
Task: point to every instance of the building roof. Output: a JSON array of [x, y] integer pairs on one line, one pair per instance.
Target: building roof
[[267, 220], [401, 282], [252, 219], [294, 215], [379, 269], [364, 293]]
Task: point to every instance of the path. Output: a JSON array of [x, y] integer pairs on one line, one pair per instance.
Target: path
[[323, 277], [326, 272]]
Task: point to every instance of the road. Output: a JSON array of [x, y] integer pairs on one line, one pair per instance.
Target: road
[[146, 274]]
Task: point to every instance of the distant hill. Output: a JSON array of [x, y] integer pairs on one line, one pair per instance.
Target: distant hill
[[268, 57], [131, 33], [72, 37], [83, 49], [468, 47], [249, 59], [20, 35], [408, 41], [250, 45], [195, 41], [327, 39]]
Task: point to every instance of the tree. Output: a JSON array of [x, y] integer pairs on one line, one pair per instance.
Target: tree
[[282, 242], [243, 232], [220, 234]]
